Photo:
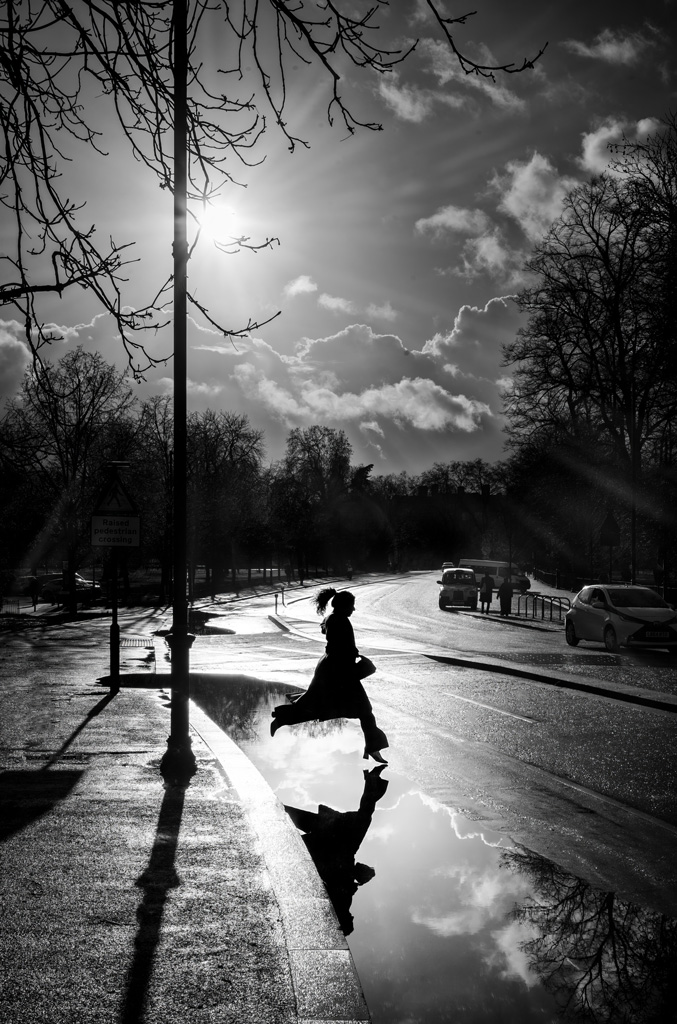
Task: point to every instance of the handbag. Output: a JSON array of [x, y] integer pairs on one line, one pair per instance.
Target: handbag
[[365, 667]]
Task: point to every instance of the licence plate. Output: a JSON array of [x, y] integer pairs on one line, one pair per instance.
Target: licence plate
[[657, 634]]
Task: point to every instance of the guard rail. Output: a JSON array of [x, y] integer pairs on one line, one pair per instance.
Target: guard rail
[[535, 597]]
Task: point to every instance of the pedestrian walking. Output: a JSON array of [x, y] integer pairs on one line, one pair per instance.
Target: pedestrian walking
[[335, 690], [504, 593], [34, 591], [486, 592]]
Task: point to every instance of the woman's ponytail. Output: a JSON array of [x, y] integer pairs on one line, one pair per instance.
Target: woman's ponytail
[[323, 599]]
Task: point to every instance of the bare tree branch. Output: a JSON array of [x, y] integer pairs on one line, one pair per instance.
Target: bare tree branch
[[61, 61]]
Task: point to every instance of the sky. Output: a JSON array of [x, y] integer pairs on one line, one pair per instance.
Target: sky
[[400, 251]]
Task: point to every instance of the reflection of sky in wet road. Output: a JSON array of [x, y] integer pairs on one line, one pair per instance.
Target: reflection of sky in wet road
[[434, 931]]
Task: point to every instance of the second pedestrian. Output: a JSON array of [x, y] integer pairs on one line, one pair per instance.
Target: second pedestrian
[[486, 592], [505, 592]]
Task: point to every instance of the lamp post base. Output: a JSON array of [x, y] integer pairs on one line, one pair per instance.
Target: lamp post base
[[178, 764]]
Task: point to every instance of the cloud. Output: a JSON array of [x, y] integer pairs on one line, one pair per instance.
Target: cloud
[[301, 285], [452, 219], [394, 403], [373, 427], [400, 407], [411, 403], [446, 69], [532, 193], [487, 252], [335, 304], [490, 254], [384, 312], [409, 103], [612, 47], [472, 350], [203, 388], [14, 358], [597, 156]]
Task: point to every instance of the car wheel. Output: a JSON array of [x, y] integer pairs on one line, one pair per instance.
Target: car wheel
[[443, 604], [473, 607], [610, 639], [570, 634]]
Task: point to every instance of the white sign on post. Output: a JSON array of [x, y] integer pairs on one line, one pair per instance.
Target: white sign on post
[[115, 522], [119, 531]]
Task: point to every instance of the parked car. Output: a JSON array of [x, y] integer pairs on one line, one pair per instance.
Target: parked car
[[458, 587], [56, 593], [621, 615], [499, 570]]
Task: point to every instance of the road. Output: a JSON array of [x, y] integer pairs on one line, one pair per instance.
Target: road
[[588, 781]]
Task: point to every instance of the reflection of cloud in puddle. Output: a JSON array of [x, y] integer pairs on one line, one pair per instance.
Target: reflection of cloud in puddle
[[459, 922], [300, 759], [382, 832], [463, 827], [511, 958]]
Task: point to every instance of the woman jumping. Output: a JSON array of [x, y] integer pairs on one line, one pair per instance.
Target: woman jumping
[[335, 690]]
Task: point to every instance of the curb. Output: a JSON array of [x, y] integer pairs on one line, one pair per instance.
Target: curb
[[324, 978], [646, 698]]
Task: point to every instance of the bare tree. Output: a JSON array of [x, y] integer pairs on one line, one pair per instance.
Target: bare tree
[[225, 454], [597, 362], [606, 961], [70, 419], [55, 56]]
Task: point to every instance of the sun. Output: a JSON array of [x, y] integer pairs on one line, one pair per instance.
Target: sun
[[220, 223]]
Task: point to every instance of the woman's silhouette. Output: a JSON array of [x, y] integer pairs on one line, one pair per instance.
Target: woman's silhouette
[[333, 839], [335, 690]]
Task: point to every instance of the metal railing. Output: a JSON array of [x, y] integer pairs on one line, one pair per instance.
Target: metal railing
[[551, 601]]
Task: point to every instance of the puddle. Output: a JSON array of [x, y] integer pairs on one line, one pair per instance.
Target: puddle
[[447, 921], [207, 624]]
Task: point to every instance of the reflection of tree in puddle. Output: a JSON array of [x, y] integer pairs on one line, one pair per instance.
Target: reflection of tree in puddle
[[604, 960], [333, 839], [242, 706], [235, 704]]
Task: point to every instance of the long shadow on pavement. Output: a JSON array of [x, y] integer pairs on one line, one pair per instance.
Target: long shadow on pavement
[[156, 881], [28, 794]]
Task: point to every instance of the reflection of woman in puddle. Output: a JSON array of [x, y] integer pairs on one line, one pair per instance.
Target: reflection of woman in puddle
[[335, 690], [333, 839]]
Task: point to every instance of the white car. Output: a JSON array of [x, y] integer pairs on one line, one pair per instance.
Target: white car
[[621, 615], [458, 586]]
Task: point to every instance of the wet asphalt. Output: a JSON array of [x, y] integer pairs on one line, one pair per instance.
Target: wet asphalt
[[128, 900]]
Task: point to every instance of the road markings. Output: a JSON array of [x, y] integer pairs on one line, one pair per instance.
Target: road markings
[[489, 707]]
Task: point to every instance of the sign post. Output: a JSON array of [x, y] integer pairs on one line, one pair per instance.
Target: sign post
[[115, 524], [610, 536]]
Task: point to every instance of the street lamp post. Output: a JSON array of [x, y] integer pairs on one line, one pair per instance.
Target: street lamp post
[[178, 763]]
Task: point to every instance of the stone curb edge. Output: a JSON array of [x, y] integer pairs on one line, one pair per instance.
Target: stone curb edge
[[324, 977]]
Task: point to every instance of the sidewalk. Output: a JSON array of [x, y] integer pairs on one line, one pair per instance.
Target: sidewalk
[[125, 902]]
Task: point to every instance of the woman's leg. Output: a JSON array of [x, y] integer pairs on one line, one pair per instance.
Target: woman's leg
[[374, 738]]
